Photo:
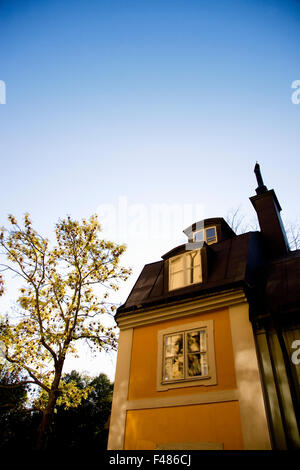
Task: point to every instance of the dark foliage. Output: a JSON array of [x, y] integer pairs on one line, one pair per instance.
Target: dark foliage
[[12, 393], [84, 426], [17, 425], [81, 428]]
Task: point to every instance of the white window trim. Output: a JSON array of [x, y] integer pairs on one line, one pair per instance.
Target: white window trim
[[210, 379], [185, 269], [204, 234]]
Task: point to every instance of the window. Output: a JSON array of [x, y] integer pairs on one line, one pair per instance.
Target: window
[[185, 269], [209, 235], [186, 356]]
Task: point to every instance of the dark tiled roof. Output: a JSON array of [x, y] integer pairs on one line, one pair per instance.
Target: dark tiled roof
[[231, 262]]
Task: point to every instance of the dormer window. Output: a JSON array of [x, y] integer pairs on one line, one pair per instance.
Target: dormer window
[[209, 231], [185, 270], [208, 235]]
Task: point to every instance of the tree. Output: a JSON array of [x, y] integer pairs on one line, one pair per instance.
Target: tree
[[239, 224], [84, 427], [293, 235], [16, 424], [13, 393], [58, 305], [238, 221], [13, 398]]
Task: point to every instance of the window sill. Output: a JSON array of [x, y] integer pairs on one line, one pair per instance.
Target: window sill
[[205, 381]]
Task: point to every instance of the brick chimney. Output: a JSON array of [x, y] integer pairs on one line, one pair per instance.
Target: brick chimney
[[268, 212]]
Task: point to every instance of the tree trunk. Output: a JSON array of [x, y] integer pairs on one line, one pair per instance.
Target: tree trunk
[[44, 427]]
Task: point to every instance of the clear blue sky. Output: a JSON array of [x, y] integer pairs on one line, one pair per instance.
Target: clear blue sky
[[156, 101]]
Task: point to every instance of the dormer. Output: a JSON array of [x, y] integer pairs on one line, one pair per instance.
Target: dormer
[[186, 264], [209, 230]]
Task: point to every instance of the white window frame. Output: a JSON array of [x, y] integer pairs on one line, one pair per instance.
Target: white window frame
[[209, 379], [186, 269], [204, 234]]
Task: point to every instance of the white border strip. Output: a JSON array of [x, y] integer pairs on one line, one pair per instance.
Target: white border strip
[[184, 400]]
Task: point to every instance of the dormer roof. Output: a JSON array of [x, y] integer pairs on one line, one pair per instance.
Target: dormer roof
[[231, 262], [224, 231]]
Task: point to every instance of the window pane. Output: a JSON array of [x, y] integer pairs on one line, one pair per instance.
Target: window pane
[[174, 368], [203, 340], [185, 270], [211, 234], [174, 344], [168, 369], [177, 280], [176, 264], [194, 365], [168, 346], [198, 236], [197, 258], [197, 274], [204, 365], [193, 341], [173, 362]]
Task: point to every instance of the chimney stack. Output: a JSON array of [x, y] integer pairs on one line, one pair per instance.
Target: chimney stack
[[268, 212]]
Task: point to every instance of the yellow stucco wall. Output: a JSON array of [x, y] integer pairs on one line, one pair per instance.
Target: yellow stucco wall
[[216, 422], [207, 422], [229, 410], [143, 370]]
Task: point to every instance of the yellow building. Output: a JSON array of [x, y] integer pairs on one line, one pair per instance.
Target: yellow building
[[188, 369]]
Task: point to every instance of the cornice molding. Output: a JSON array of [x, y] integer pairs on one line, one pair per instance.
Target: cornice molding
[[184, 400], [181, 309]]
